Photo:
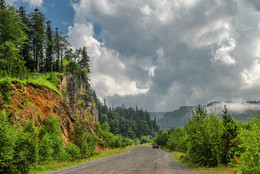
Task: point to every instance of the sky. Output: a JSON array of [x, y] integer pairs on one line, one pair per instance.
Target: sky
[[162, 54]]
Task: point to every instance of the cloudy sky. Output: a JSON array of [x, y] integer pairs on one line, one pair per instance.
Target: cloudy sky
[[162, 54]]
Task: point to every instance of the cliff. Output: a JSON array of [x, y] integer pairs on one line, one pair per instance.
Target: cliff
[[37, 103]]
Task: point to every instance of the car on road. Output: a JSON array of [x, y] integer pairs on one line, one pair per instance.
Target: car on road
[[155, 146]]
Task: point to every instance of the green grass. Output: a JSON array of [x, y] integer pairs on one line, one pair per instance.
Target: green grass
[[44, 79], [54, 165], [224, 170]]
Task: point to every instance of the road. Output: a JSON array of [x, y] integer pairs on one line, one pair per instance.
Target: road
[[139, 160]]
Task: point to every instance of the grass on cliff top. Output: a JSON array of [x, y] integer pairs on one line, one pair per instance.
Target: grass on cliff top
[[45, 79], [55, 165]]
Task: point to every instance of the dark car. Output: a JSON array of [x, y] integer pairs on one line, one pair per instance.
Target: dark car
[[155, 146]]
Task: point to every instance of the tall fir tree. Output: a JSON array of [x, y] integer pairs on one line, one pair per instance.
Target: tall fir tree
[[37, 27], [12, 38], [49, 47]]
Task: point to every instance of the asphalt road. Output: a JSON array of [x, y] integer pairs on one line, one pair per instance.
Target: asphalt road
[[139, 160]]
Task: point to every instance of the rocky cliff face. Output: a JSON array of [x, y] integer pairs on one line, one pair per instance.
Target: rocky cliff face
[[29, 102]]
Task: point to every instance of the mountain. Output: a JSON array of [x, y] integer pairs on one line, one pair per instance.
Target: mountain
[[240, 110]]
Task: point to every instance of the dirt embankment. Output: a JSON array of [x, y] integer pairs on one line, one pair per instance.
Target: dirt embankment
[[29, 102]]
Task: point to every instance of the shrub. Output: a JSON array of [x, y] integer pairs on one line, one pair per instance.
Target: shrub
[[52, 128], [205, 147], [74, 151], [177, 140], [250, 155], [146, 139], [45, 148], [161, 138], [89, 145], [5, 87], [8, 138], [26, 152]]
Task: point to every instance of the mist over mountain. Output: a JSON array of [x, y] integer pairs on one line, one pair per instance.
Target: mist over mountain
[[240, 110]]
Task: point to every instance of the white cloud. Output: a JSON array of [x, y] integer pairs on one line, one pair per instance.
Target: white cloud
[[108, 73], [32, 3], [204, 50]]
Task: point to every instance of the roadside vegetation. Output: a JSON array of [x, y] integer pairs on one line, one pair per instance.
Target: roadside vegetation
[[25, 149], [215, 141]]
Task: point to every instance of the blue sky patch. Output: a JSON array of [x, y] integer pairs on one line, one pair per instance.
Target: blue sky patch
[[98, 30]]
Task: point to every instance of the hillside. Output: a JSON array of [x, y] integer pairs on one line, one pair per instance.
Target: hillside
[[241, 111], [31, 102]]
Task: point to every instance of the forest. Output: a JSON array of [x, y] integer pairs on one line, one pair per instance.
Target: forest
[[210, 140], [131, 123], [31, 49], [28, 44]]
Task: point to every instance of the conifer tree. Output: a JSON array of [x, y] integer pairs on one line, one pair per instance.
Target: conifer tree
[[37, 28], [49, 48], [12, 37]]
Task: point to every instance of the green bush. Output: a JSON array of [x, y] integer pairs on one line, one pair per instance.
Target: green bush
[[177, 140], [5, 87], [45, 148], [136, 141], [26, 152], [250, 154], [161, 138], [204, 147], [89, 145], [52, 128], [146, 139], [8, 137], [74, 151]]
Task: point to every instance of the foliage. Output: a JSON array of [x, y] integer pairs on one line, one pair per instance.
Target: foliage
[[250, 153], [5, 87], [210, 140], [162, 138], [24, 38], [8, 137], [50, 140], [74, 151], [178, 139], [131, 123], [146, 139], [229, 137]]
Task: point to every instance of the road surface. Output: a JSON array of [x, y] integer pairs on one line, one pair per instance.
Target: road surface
[[139, 160]]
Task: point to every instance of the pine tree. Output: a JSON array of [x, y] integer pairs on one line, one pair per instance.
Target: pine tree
[[57, 48], [37, 28], [84, 62], [49, 48], [12, 37], [2, 4], [25, 50]]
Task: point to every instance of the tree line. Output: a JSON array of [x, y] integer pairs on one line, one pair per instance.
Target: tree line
[[29, 44], [128, 122], [209, 140]]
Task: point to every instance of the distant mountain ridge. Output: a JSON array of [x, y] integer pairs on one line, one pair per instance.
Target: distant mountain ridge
[[240, 110]]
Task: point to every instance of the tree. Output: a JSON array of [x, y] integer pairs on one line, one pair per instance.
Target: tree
[[12, 37], [49, 47], [25, 50], [2, 4], [57, 48], [229, 137], [84, 62], [37, 27]]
